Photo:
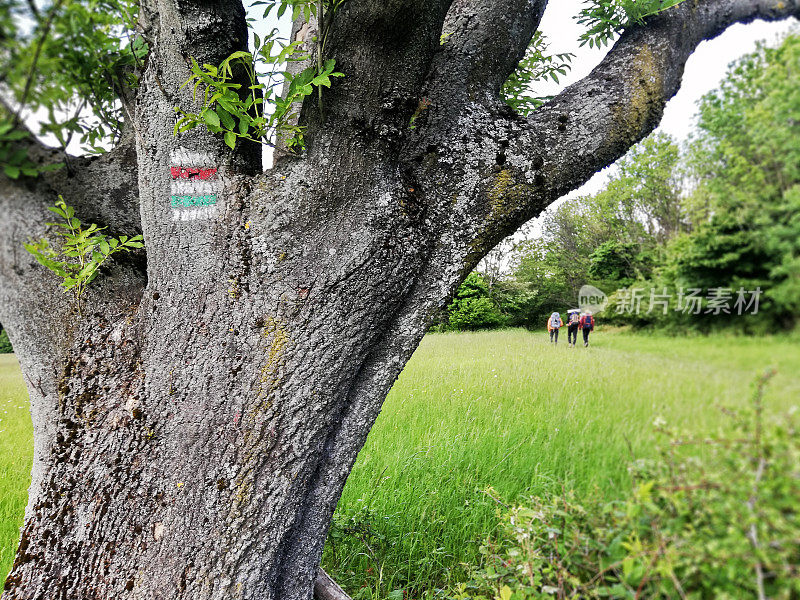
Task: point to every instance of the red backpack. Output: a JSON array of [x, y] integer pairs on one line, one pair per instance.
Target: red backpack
[[588, 322]]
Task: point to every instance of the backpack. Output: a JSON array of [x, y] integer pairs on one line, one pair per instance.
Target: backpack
[[555, 322], [574, 318], [588, 322]]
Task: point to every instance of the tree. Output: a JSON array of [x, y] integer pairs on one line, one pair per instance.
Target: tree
[[615, 262], [747, 184], [648, 188], [195, 426], [473, 307], [743, 206], [608, 239], [544, 279]]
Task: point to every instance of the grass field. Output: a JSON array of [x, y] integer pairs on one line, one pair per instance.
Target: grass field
[[502, 409], [16, 449]]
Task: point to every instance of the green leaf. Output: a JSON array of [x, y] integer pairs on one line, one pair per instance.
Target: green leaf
[[210, 117], [87, 270], [241, 54], [226, 118], [230, 139], [56, 209], [14, 136]]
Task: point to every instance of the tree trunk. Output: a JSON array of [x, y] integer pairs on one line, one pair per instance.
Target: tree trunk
[[194, 428], [202, 432]]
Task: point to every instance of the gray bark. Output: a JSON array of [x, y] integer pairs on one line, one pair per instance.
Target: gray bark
[[194, 429], [325, 588]]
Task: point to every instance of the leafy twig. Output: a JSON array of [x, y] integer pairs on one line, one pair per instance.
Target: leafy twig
[[82, 252]]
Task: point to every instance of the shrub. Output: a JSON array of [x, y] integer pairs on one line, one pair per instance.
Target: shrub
[[475, 313], [5, 344], [472, 308], [712, 518]]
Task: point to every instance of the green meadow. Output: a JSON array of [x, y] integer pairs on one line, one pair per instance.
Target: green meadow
[[504, 409], [16, 453]]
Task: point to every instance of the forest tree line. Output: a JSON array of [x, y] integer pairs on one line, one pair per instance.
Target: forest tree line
[[703, 235]]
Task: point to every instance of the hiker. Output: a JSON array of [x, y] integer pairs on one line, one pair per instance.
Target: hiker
[[554, 323], [587, 326], [573, 322]]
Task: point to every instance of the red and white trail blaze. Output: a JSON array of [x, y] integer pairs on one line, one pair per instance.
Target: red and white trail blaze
[[196, 186]]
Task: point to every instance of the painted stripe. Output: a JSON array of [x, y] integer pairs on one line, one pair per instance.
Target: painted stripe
[[195, 185], [192, 201], [193, 214], [193, 173], [183, 187], [182, 156]]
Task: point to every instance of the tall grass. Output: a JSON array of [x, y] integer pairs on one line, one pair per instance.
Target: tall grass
[[16, 452], [509, 410], [504, 409]]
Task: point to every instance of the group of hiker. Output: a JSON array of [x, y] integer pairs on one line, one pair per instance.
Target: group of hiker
[[575, 320]]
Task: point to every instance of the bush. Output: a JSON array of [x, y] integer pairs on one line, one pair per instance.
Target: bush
[[713, 518], [472, 308], [5, 344], [475, 313]]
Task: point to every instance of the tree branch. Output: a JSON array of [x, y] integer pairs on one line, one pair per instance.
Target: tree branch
[[103, 189], [179, 31], [595, 121], [34, 9], [482, 43], [42, 37], [385, 49]]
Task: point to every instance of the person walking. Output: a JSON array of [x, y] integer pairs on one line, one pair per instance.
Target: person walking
[[554, 323], [573, 323], [587, 326]]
